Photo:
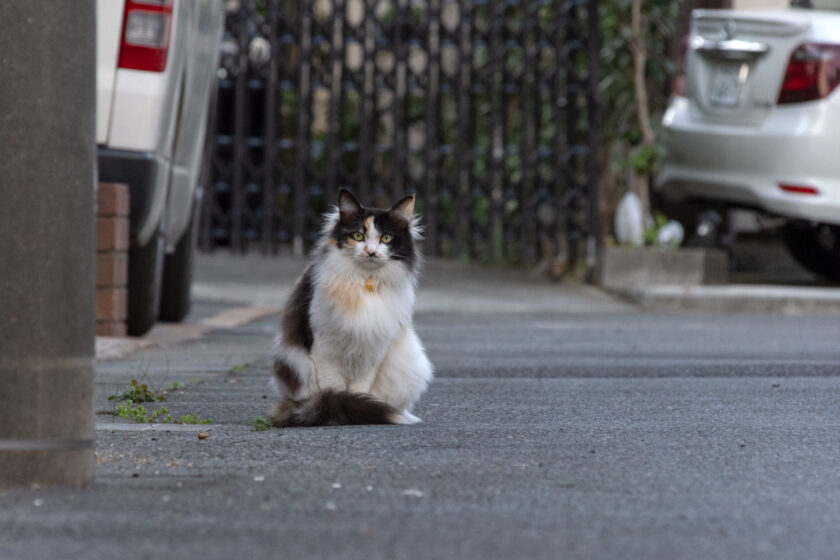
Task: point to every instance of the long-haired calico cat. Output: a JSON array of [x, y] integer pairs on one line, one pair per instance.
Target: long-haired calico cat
[[348, 353]]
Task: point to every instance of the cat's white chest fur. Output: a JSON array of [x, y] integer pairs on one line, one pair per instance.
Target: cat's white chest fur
[[356, 314]]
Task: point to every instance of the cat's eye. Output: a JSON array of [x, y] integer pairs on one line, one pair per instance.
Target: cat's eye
[[387, 238], [358, 236]]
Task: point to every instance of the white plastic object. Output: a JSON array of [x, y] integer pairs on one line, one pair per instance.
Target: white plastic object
[[670, 235], [629, 222]]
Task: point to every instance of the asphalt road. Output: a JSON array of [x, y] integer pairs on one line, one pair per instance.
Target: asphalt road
[[544, 436]]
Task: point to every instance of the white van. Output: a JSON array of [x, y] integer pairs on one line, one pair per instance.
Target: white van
[[156, 69]]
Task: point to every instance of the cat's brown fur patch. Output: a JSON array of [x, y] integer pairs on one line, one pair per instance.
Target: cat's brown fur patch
[[347, 294]]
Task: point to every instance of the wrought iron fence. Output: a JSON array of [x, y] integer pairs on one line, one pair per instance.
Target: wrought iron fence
[[487, 109]]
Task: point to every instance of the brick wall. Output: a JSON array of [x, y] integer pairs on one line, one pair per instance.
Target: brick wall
[[111, 259]]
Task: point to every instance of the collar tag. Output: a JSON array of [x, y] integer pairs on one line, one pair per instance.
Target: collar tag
[[370, 285]]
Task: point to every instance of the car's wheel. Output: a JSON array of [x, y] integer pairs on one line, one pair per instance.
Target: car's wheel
[[816, 247], [145, 265], [177, 276]]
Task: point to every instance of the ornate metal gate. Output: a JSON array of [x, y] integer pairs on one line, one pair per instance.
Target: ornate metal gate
[[487, 109]]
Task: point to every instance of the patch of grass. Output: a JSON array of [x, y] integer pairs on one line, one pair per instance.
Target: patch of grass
[[138, 414], [194, 419], [141, 392], [260, 424], [238, 368], [138, 392]]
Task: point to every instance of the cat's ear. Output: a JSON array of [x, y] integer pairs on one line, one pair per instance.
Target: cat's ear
[[404, 208], [349, 208]]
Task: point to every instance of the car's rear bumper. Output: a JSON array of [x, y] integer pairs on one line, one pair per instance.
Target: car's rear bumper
[[745, 165], [145, 174]]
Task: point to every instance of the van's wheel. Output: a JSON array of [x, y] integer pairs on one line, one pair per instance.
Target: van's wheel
[[177, 276], [145, 265], [815, 246]]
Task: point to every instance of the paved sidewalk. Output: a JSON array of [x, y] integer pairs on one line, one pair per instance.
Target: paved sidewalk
[[562, 424], [444, 286]]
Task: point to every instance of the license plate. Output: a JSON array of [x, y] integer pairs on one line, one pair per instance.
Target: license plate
[[726, 84]]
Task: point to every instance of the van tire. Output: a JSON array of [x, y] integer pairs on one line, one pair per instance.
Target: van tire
[[145, 265], [177, 276]]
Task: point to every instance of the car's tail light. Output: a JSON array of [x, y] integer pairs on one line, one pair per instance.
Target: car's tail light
[[812, 73], [145, 36], [799, 189]]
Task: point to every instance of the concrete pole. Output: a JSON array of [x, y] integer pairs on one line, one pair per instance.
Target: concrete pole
[[47, 184]]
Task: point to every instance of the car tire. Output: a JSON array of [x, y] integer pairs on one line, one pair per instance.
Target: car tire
[[816, 247], [177, 276], [145, 264]]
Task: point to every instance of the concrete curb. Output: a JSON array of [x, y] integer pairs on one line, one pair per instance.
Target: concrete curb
[[114, 348], [183, 428], [737, 298], [634, 268]]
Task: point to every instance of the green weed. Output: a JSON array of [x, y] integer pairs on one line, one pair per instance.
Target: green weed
[[138, 414], [261, 424], [194, 419], [138, 393]]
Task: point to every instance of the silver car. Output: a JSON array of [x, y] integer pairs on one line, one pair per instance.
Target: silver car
[[760, 127]]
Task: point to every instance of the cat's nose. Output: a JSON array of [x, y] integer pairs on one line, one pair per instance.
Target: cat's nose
[[369, 251]]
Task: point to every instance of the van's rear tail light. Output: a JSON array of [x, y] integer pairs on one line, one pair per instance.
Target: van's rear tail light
[[799, 189], [812, 73], [145, 36]]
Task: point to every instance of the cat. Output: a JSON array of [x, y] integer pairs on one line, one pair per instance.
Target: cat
[[347, 352]]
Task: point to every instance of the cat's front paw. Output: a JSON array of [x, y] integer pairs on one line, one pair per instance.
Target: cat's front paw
[[406, 417]]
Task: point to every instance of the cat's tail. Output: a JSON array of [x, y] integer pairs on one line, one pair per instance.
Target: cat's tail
[[334, 408]]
